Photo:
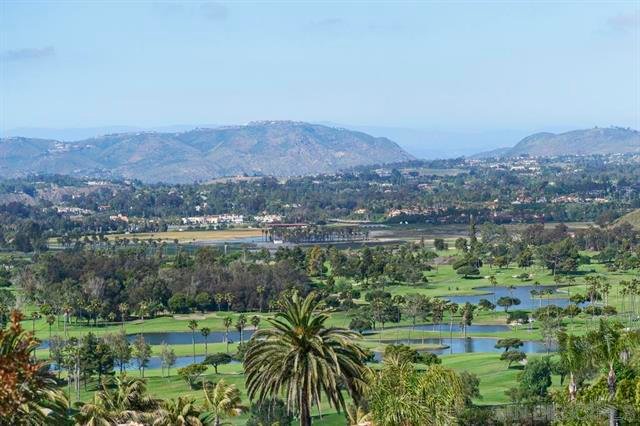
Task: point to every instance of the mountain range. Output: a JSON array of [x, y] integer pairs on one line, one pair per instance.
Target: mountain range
[[610, 140], [278, 148]]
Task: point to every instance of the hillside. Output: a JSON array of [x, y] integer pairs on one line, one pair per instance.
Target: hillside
[[632, 219], [279, 148], [612, 140]]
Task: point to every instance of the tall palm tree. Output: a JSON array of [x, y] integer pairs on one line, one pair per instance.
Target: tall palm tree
[[453, 308], [609, 344], [302, 358], [227, 323], [205, 331], [177, 412], [193, 325], [574, 356], [494, 282], [255, 321], [260, 292], [221, 400], [241, 322], [123, 308]]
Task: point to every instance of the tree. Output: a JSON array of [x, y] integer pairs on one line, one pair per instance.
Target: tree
[[507, 302], [203, 301], [191, 373], [300, 357], [179, 303], [29, 394], [467, 316], [360, 324], [270, 412], [535, 379], [513, 356], [401, 354], [222, 400], [141, 353], [193, 326], [217, 359], [606, 345], [439, 244], [486, 305], [120, 347], [241, 322], [227, 323], [121, 399], [205, 331], [509, 343], [255, 321], [416, 305], [168, 358], [399, 395], [467, 270], [453, 308], [7, 302], [574, 357], [123, 308], [181, 411]]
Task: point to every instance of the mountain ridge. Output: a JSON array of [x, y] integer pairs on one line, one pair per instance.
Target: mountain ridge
[[279, 148], [598, 140]]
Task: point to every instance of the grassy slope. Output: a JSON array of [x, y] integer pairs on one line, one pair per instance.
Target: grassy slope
[[632, 218]]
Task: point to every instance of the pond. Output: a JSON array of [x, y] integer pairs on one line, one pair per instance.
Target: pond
[[527, 300], [444, 328], [181, 337], [460, 345]]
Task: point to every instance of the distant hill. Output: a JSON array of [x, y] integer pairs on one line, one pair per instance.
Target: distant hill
[[611, 140], [279, 148], [632, 219]]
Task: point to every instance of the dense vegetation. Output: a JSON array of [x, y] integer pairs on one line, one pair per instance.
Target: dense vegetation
[[358, 333]]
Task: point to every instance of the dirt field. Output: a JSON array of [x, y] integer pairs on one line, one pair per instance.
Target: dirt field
[[191, 236]]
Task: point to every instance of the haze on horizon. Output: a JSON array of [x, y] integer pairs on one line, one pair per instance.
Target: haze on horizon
[[493, 71]]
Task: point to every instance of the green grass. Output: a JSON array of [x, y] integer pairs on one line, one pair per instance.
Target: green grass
[[495, 377]]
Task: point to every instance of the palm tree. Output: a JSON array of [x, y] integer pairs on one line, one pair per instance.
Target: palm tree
[[193, 325], [453, 308], [401, 396], [219, 298], [260, 291], [608, 344], [35, 315], [301, 358], [121, 399], [177, 412], [230, 298], [255, 321], [123, 308], [67, 312], [205, 333], [220, 401], [227, 323], [467, 316], [493, 281], [358, 416], [30, 394], [574, 357], [143, 309], [241, 322]]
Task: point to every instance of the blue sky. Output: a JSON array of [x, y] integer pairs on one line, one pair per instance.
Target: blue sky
[[452, 66]]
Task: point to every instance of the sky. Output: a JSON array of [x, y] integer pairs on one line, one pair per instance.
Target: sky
[[469, 67]]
